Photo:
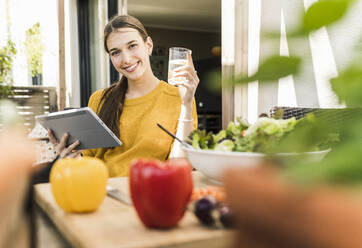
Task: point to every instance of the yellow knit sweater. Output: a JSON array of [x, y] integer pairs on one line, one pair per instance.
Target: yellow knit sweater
[[138, 130]]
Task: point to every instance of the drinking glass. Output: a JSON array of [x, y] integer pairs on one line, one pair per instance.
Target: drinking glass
[[177, 58]]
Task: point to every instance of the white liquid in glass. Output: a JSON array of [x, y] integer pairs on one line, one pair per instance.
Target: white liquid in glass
[[172, 65]]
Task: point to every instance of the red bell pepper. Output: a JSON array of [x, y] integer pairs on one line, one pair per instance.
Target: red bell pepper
[[160, 191]]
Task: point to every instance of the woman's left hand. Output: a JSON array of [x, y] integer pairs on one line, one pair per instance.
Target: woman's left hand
[[60, 147], [187, 88]]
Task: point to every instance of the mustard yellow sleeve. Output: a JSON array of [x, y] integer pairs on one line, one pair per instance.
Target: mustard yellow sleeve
[[93, 102]]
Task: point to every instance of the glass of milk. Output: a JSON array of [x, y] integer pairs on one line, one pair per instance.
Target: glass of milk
[[177, 58]]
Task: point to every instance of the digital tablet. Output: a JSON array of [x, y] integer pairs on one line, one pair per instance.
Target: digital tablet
[[82, 124]]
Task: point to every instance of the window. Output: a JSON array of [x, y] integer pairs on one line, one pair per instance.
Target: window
[[16, 17]]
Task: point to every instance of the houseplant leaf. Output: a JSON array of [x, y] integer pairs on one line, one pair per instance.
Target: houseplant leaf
[[273, 68], [325, 12]]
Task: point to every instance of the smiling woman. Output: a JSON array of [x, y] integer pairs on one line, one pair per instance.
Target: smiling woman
[[132, 107], [129, 54]]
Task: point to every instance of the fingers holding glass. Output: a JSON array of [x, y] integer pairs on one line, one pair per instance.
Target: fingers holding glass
[[178, 57], [189, 59], [186, 75], [187, 86]]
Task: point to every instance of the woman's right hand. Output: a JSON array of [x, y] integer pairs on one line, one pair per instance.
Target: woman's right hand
[[60, 147]]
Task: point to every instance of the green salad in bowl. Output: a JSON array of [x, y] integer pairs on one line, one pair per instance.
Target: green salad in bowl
[[244, 145], [242, 137]]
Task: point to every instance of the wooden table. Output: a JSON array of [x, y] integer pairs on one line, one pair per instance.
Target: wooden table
[[115, 224]]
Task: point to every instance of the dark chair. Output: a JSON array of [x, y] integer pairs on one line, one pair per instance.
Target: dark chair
[[335, 116], [289, 112]]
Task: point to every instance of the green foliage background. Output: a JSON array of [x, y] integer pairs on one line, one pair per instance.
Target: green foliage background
[[7, 54], [34, 49]]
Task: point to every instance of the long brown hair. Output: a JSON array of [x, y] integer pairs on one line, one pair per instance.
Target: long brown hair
[[112, 101]]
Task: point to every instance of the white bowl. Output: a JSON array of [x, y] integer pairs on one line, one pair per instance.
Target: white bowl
[[213, 163]]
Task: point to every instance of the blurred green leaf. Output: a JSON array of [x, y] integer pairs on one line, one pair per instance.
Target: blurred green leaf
[[214, 80], [325, 12], [310, 134], [342, 165], [273, 68], [9, 116], [348, 86]]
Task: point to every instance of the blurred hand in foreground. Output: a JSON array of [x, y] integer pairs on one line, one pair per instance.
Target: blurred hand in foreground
[[17, 154], [272, 213]]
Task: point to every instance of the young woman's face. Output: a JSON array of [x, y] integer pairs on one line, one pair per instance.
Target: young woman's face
[[129, 53]]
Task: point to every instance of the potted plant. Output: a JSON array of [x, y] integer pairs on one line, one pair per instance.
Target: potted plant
[[7, 54], [34, 51]]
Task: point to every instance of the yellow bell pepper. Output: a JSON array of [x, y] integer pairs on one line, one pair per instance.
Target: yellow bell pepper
[[79, 184]]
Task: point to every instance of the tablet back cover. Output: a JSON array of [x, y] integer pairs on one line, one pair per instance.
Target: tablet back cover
[[81, 124]]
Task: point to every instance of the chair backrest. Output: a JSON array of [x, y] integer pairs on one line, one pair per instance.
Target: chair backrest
[[335, 116], [32, 101], [289, 112]]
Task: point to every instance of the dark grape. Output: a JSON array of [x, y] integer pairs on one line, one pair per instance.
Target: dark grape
[[212, 213], [204, 208], [226, 216]]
